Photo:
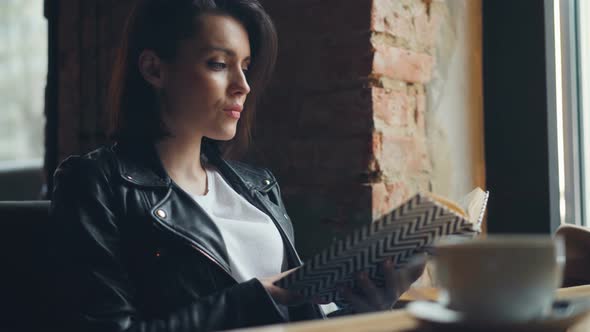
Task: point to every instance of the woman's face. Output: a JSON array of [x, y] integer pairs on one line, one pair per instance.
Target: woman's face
[[205, 87]]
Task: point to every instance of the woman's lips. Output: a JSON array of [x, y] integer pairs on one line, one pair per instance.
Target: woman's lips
[[234, 111], [232, 114]]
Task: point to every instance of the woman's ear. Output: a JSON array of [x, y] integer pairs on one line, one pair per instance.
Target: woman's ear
[[151, 68]]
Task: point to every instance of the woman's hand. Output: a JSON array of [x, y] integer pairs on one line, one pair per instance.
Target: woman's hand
[[372, 298], [280, 295]]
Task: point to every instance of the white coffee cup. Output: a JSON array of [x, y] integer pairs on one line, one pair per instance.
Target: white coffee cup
[[501, 277]]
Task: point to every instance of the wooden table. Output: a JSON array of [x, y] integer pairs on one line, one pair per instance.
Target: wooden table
[[397, 320]]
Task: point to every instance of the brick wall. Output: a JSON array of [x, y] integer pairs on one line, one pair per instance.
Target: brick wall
[[343, 124]]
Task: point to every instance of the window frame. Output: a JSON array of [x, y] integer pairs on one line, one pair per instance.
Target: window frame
[[570, 179], [517, 118]]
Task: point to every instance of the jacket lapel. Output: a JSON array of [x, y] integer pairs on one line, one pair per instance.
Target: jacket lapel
[[176, 212], [182, 216]]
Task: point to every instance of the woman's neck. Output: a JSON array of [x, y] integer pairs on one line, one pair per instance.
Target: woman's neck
[[181, 159]]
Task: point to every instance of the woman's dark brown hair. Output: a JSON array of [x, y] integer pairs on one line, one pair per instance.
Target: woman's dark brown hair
[[159, 25]]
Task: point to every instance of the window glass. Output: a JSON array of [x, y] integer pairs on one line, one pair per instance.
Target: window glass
[[23, 64]]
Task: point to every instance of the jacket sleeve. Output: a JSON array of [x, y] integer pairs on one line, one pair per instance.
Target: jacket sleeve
[[92, 286]]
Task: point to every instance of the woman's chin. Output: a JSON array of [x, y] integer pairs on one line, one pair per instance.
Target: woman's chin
[[223, 136]]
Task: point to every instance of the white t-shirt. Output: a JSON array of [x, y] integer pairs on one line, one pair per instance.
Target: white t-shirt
[[254, 244]]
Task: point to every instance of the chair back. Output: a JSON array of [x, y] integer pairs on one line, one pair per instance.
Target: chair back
[[25, 266]]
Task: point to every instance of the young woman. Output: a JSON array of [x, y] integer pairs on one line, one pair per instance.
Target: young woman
[[159, 232]]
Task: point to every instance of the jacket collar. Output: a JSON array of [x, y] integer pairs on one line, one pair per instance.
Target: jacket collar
[[175, 211], [140, 165]]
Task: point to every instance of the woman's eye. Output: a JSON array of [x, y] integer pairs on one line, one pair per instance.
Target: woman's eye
[[217, 65]]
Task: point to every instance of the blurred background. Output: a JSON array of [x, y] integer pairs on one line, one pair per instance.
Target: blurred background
[[371, 102]]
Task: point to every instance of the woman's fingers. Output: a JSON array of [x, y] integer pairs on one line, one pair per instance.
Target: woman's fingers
[[373, 295], [391, 284], [408, 275], [284, 296], [281, 275], [371, 298], [358, 302], [416, 267], [279, 294]]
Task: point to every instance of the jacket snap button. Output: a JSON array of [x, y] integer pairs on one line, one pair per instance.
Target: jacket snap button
[[161, 213], [267, 182], [129, 177]]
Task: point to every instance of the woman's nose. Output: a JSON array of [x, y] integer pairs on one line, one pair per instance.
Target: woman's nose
[[240, 83]]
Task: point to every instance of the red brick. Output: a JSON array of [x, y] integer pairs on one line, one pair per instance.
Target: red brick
[[419, 95], [393, 108], [401, 155], [425, 32], [407, 22], [402, 64], [386, 196], [394, 18]]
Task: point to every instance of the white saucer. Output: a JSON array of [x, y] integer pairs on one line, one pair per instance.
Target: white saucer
[[563, 315]]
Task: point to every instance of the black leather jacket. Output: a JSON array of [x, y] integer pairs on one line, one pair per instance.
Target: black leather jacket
[[134, 252]]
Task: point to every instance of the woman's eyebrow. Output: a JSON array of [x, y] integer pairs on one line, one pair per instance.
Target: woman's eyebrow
[[222, 49]]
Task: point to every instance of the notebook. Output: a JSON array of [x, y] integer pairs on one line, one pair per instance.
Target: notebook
[[409, 229]]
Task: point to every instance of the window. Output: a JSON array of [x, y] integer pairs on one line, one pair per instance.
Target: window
[[583, 38], [569, 78], [23, 63]]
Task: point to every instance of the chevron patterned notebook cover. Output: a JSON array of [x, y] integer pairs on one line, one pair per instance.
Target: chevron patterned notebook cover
[[400, 234]]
